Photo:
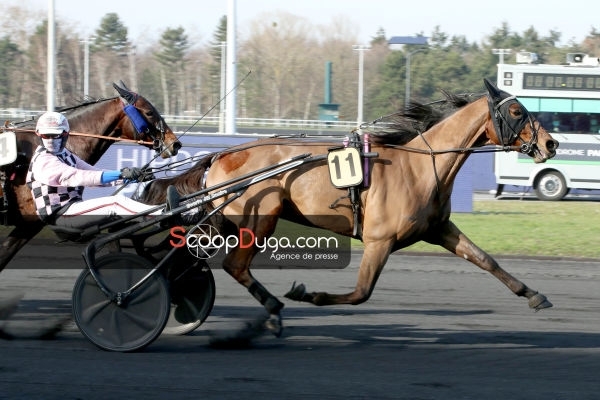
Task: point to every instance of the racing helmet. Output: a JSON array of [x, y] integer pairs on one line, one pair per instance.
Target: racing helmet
[[53, 128]]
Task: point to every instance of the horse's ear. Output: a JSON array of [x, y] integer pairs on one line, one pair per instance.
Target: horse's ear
[[125, 93], [124, 86], [491, 88], [117, 88], [496, 94]]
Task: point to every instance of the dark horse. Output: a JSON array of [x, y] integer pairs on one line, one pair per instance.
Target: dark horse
[[95, 125], [407, 200]]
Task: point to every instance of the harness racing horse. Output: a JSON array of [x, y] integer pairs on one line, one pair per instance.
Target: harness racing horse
[[407, 199], [94, 125]]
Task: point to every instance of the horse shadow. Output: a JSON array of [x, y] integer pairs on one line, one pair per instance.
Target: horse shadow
[[323, 327], [319, 327]]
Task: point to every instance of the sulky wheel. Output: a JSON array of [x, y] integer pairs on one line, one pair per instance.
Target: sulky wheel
[[141, 316], [192, 297]]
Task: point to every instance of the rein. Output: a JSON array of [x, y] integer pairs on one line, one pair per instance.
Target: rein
[[115, 139], [485, 149], [92, 135], [433, 153]]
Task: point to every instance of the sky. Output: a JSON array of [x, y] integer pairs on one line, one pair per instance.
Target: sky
[[474, 19]]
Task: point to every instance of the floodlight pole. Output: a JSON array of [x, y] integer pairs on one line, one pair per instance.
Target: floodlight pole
[[398, 42], [230, 105], [223, 47], [50, 90], [407, 92], [86, 66], [361, 60]]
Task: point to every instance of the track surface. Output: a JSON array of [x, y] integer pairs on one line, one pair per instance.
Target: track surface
[[435, 328]]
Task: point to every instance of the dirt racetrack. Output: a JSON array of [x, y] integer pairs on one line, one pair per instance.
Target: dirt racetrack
[[435, 328]]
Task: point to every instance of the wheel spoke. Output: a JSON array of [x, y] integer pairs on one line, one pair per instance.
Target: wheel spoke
[[146, 323], [93, 310]]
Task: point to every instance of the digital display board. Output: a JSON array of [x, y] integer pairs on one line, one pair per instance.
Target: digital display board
[[554, 81]]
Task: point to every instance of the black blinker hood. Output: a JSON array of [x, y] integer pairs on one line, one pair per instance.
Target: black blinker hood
[[507, 127]]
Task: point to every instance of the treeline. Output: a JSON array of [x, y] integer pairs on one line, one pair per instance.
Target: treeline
[[286, 62]]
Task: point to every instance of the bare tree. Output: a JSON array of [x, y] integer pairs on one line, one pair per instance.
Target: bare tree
[[278, 51]]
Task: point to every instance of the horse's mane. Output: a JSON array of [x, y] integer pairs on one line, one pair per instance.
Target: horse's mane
[[404, 125], [83, 102]]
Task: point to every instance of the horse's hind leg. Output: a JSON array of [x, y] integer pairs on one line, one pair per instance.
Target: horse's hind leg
[[374, 258], [237, 264], [455, 241], [16, 239]]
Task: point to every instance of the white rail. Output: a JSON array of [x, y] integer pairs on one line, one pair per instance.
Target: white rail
[[16, 115]]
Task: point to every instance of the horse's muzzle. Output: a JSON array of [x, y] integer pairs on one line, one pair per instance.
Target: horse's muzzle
[[169, 150]]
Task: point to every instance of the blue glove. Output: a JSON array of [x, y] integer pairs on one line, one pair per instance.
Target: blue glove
[[110, 176]]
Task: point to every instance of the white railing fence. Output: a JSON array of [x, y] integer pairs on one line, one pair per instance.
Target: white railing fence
[[17, 115]]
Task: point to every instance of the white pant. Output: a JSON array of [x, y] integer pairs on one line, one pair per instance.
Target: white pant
[[88, 212]]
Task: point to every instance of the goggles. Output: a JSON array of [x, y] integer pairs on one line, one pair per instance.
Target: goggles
[[52, 135]]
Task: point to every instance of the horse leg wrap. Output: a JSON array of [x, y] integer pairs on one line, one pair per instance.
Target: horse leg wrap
[[270, 302]]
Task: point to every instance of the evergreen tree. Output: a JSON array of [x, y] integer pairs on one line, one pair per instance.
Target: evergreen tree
[[217, 52], [171, 57], [111, 35], [173, 46], [109, 53]]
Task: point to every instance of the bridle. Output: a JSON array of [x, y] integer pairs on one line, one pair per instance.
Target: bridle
[[141, 124], [509, 129]]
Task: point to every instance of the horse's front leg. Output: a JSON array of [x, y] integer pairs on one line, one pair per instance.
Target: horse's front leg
[[458, 243], [16, 239], [374, 258]]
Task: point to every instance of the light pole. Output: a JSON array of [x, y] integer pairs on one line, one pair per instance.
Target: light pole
[[399, 42], [223, 47], [407, 93], [86, 67], [131, 53], [230, 83], [361, 60], [51, 57]]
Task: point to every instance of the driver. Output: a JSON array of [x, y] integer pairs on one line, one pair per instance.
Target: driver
[[57, 178]]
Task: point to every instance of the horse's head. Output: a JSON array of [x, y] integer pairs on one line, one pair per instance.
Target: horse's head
[[147, 123], [515, 127]]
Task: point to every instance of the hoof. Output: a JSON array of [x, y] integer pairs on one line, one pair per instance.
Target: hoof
[[274, 325], [238, 338], [43, 330], [538, 302], [296, 292], [9, 306], [5, 335], [50, 331]]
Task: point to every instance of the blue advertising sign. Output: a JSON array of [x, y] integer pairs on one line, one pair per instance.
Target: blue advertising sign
[[196, 145], [130, 155]]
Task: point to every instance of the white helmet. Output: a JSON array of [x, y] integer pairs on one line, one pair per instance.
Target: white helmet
[[53, 128]]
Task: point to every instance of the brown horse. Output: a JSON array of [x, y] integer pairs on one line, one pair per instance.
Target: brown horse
[[95, 125], [407, 199]]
